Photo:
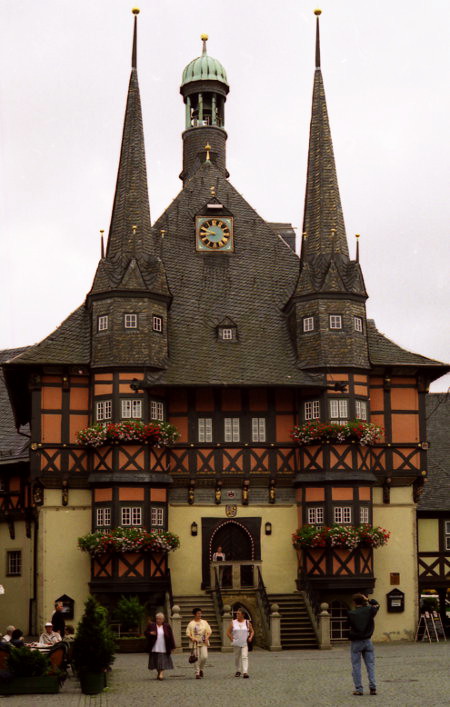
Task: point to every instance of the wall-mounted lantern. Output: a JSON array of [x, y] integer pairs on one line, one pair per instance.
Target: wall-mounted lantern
[[268, 528], [194, 529]]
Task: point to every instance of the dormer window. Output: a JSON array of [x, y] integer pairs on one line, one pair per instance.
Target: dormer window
[[335, 321], [102, 322], [308, 324], [227, 334], [227, 330], [130, 321], [157, 323]]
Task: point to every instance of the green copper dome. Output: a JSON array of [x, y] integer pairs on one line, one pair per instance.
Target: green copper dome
[[204, 68]]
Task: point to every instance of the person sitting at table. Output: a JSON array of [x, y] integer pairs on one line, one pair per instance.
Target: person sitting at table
[[8, 634], [17, 638], [49, 637]]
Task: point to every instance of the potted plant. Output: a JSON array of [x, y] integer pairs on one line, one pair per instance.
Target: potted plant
[[129, 614], [93, 647], [30, 673]]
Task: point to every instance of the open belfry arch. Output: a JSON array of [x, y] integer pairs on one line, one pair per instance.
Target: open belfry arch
[[209, 320]]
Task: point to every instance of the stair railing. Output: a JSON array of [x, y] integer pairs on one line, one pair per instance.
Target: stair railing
[[312, 604], [217, 597], [264, 607]]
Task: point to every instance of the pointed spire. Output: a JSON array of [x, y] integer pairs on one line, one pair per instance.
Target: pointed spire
[[323, 210], [317, 14], [357, 247], [129, 233]]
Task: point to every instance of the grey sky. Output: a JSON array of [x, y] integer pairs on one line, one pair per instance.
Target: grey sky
[[63, 81]]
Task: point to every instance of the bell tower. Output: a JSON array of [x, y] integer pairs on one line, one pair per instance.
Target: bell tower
[[204, 88]]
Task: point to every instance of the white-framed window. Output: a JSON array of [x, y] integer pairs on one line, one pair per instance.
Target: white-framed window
[[205, 429], [103, 410], [231, 429], [103, 517], [312, 410], [14, 563], [157, 517], [308, 323], [156, 410], [258, 429], [130, 321], [315, 515], [157, 323], [339, 410], [131, 515], [342, 514], [358, 324], [447, 534], [364, 514], [103, 322], [131, 409], [361, 409], [227, 334], [335, 321]]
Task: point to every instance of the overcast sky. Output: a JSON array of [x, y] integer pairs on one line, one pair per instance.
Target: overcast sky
[[63, 79]]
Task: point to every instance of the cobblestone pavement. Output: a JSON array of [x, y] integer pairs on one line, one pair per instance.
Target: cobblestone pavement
[[407, 674]]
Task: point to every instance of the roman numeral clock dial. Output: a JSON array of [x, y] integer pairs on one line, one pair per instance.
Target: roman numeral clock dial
[[214, 234]]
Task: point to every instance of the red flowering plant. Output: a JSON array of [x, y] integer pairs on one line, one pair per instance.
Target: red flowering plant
[[130, 539], [345, 536], [316, 432], [155, 432]]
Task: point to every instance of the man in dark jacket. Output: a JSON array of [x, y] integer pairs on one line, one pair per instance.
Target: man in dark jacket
[[361, 620], [58, 622]]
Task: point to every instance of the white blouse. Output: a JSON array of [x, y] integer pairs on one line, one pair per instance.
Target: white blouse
[[160, 643]]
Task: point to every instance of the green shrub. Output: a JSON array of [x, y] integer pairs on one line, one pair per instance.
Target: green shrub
[[129, 612], [25, 663], [94, 645]]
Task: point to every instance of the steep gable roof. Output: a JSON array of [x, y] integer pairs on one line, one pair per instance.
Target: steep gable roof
[[384, 352]]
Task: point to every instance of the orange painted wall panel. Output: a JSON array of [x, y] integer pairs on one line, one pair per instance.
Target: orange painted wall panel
[[283, 426], [131, 494], [103, 377], [358, 378], [51, 428], [103, 495], [257, 399], [403, 381], [103, 389], [413, 460], [181, 423], [204, 400], [79, 399], [124, 389], [178, 401], [364, 493], [343, 556], [377, 399], [404, 399], [361, 390], [158, 495], [405, 428], [231, 399], [51, 379], [332, 377], [76, 423], [51, 398], [314, 494], [137, 462], [130, 376], [375, 381], [14, 483], [342, 494], [284, 399]]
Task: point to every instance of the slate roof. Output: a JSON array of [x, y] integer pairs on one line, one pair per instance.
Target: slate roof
[[68, 344], [250, 286], [436, 494], [384, 352], [13, 447]]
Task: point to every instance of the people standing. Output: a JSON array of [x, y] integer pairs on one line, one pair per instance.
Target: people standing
[[161, 644], [58, 623], [362, 625], [240, 632], [198, 630], [219, 556]]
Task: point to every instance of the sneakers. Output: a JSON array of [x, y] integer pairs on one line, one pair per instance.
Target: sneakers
[[373, 690], [358, 692]]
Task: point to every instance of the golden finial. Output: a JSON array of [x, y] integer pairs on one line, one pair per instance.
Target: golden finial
[[333, 231], [204, 37], [135, 11], [134, 229], [317, 12], [102, 230], [102, 244], [357, 235], [207, 148], [212, 190], [163, 232], [304, 234]]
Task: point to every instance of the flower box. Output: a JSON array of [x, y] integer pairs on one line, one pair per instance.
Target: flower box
[[315, 431], [124, 540], [45, 684], [155, 433], [343, 536]]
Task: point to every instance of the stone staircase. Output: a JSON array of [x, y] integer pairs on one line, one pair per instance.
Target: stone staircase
[[205, 602], [297, 631]]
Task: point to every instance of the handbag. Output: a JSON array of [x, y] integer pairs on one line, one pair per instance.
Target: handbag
[[249, 643], [193, 656]]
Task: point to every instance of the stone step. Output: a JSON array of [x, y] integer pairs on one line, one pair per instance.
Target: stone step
[[297, 632]]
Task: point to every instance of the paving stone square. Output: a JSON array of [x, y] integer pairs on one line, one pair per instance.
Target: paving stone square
[[407, 674]]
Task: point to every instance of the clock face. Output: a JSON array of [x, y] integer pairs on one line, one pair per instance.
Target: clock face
[[213, 234]]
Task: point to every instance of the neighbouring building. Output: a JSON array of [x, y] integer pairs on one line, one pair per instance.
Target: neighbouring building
[[209, 321]]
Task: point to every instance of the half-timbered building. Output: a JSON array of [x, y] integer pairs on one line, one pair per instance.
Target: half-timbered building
[[209, 320]]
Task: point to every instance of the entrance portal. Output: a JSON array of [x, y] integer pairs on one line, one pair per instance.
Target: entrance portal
[[239, 540]]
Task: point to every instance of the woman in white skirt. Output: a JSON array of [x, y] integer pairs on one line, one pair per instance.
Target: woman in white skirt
[[239, 632]]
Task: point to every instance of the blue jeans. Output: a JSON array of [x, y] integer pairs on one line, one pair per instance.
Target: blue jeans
[[365, 649]]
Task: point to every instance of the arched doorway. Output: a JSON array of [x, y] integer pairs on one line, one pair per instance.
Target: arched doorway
[[239, 539]]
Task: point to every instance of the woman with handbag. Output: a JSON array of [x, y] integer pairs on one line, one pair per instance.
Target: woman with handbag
[[161, 643], [240, 632], [198, 632]]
